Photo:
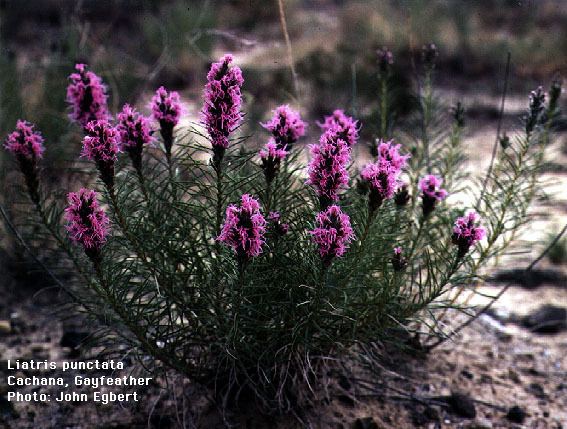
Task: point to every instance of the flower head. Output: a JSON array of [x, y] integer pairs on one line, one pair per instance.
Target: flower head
[[332, 233], [86, 94], [271, 156], [166, 107], [389, 153], [286, 127], [101, 142], [24, 142], [87, 224], [467, 232], [345, 127], [221, 109], [431, 192], [328, 166], [385, 59], [133, 129], [277, 225], [399, 262], [244, 228]]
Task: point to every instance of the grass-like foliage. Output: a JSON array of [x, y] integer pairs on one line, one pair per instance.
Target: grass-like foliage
[[247, 271]]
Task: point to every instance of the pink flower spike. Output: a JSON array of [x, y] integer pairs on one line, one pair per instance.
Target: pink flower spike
[[399, 262], [431, 192], [390, 153], [271, 157], [286, 127], [86, 94], [87, 224], [344, 126], [101, 142], [277, 225], [328, 167], [244, 228], [25, 142], [467, 232], [221, 109], [166, 107], [133, 129], [332, 233]]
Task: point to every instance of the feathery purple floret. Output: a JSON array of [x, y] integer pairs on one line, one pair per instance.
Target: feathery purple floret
[[271, 156], [382, 176], [166, 107], [87, 224], [467, 232], [328, 167], [431, 193], [25, 142], [101, 142], [286, 127], [244, 228], [133, 129], [221, 109], [345, 127], [86, 94], [332, 233]]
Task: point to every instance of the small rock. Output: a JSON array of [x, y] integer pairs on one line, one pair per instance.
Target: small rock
[[462, 405], [497, 328], [73, 339], [5, 327], [516, 414], [365, 423], [547, 319]]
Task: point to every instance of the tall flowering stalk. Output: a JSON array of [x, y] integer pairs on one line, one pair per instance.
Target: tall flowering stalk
[[382, 176], [87, 222], [332, 233], [345, 127], [134, 134], [166, 109], [26, 145], [221, 110], [244, 229], [101, 146], [271, 156], [431, 193], [286, 127], [87, 97], [467, 232], [328, 167]]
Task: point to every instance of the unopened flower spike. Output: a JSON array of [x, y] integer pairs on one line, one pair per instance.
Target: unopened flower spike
[[429, 54], [87, 222], [26, 144], [87, 97], [459, 115], [344, 127], [328, 167], [134, 133], [101, 146], [535, 110], [166, 109], [385, 60], [221, 109], [431, 193], [467, 232], [244, 229], [332, 233], [271, 157], [286, 127], [277, 226], [402, 195], [399, 261]]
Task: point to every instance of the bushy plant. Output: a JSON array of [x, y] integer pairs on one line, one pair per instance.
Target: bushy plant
[[245, 270]]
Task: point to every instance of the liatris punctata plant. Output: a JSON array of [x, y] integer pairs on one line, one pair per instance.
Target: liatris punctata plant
[[166, 110], [245, 284], [26, 145], [87, 97]]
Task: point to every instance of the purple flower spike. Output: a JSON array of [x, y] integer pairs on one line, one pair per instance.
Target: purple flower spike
[[86, 94], [399, 262], [344, 126], [431, 192], [101, 146], [382, 176], [332, 234], [244, 228], [25, 142], [221, 110], [467, 232], [134, 133], [328, 167], [166, 109], [271, 157], [286, 127], [87, 224]]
